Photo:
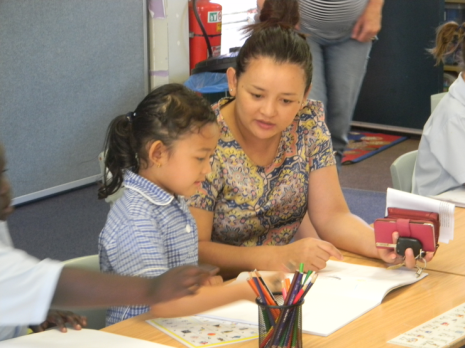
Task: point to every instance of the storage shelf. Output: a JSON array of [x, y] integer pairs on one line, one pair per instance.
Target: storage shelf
[[454, 68]]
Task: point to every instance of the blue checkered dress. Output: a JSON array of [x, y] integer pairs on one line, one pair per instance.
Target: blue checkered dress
[[147, 232]]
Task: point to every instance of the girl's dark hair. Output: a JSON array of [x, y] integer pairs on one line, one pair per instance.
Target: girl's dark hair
[[450, 39], [166, 114], [275, 37]]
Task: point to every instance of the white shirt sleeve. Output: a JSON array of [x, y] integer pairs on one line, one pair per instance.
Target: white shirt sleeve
[[449, 145], [27, 286]]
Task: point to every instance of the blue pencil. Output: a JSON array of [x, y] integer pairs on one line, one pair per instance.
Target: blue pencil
[[263, 299]]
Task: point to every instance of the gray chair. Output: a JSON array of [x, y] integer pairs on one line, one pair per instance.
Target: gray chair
[[402, 171], [95, 317]]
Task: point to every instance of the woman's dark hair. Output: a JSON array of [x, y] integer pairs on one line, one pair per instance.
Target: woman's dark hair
[[166, 114], [450, 40], [275, 37]]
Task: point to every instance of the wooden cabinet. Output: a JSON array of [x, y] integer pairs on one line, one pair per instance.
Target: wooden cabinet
[[401, 75]]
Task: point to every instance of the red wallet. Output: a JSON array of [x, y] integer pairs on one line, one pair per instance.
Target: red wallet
[[417, 224]]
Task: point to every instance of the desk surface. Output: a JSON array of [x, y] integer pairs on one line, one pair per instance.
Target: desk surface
[[450, 258], [401, 310]]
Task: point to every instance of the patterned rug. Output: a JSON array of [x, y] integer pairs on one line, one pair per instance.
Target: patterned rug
[[364, 144]]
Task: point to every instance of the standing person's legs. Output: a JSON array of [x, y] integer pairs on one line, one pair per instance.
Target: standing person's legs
[[344, 67], [318, 91]]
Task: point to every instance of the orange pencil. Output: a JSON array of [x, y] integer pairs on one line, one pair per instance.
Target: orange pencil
[[288, 284], [252, 285], [269, 300]]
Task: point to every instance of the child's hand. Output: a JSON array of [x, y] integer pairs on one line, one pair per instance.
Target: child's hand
[[180, 281], [274, 282], [214, 281], [60, 319]]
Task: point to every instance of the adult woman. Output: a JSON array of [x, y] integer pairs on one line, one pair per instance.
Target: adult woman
[[274, 163], [340, 35]]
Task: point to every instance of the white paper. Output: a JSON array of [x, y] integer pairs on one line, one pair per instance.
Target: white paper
[[456, 196], [241, 311], [85, 338], [198, 332], [405, 200], [342, 293]]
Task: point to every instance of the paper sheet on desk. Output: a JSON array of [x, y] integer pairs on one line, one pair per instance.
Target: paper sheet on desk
[[456, 196], [405, 200], [84, 338], [342, 293]]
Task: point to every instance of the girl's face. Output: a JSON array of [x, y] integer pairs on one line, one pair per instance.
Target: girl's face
[[181, 169], [268, 96]]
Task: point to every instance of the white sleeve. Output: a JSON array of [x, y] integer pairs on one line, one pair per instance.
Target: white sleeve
[[4, 234], [27, 286], [449, 145]]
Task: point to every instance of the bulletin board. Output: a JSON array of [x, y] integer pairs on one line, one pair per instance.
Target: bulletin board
[[67, 68]]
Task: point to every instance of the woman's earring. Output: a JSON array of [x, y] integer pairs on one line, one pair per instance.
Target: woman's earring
[[158, 165]]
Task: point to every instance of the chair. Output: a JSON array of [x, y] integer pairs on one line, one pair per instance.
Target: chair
[[112, 198], [402, 171], [95, 317], [435, 99]]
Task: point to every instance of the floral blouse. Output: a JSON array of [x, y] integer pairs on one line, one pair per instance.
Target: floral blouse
[[256, 205]]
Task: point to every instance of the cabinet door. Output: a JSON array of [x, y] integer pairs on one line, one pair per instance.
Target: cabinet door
[[401, 75]]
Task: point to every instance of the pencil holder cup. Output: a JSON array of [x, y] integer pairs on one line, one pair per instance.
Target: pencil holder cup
[[281, 325]]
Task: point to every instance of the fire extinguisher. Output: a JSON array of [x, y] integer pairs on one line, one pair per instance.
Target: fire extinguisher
[[204, 30]]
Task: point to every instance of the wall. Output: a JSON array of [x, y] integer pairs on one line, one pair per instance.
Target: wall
[[168, 41]]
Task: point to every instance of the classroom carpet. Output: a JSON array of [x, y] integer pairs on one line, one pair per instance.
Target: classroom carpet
[[363, 145]]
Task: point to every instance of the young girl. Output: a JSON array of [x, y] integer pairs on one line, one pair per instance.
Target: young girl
[[440, 166], [160, 152], [274, 164]]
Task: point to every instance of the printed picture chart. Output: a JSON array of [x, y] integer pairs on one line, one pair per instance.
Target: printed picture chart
[[205, 332], [439, 332]]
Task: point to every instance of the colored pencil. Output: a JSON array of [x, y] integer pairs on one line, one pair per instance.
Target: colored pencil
[[282, 324], [306, 277], [266, 287], [267, 309]]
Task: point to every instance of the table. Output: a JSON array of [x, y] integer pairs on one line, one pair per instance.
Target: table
[[401, 310]]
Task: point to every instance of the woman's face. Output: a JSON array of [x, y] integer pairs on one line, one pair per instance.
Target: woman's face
[[268, 96]]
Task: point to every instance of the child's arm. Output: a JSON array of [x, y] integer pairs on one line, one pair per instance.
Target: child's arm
[[82, 288], [209, 297], [206, 298]]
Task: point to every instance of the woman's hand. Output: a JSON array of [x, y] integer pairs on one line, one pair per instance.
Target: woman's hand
[[313, 253], [60, 319], [390, 256], [369, 23]]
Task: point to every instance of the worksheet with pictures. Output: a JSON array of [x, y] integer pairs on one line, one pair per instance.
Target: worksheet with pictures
[[442, 331], [205, 332]]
